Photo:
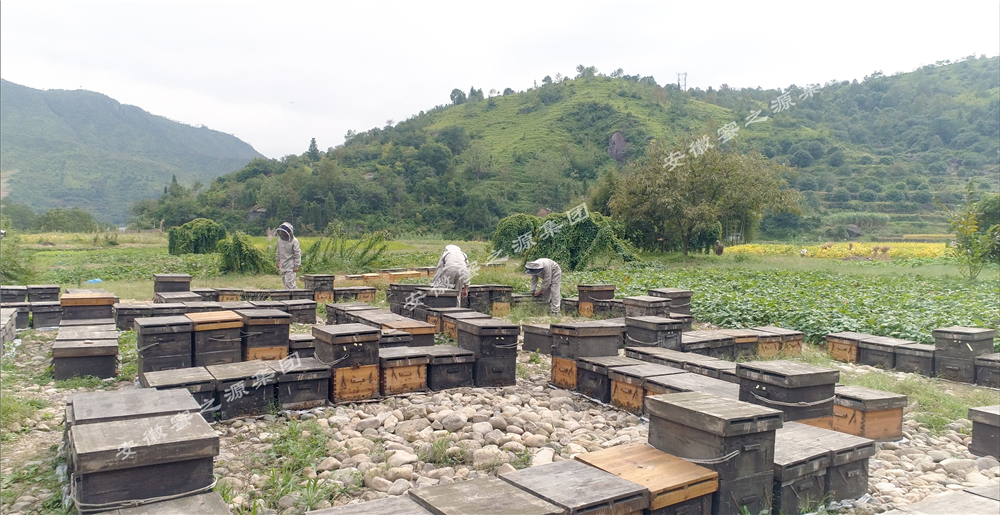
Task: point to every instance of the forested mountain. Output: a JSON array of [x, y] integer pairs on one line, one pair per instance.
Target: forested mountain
[[83, 149], [889, 144]]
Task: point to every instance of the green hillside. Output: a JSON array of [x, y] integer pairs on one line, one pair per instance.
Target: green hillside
[[83, 149], [891, 146]]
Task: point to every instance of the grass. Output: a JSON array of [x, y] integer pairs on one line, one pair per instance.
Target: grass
[[14, 409], [129, 356], [31, 477], [437, 454]]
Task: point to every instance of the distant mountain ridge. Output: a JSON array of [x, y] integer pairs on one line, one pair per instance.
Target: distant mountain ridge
[[62, 148]]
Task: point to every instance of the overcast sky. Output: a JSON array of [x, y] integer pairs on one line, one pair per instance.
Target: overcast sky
[[276, 74]]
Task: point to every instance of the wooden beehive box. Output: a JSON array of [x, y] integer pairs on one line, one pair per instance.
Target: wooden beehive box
[[163, 343], [265, 333], [339, 313], [353, 384], [880, 351], [255, 294], [302, 294], [586, 339], [869, 413], [210, 503], [87, 306], [708, 343], [202, 306], [847, 473], [646, 306], [229, 295], [916, 358], [394, 338], [23, 317], [171, 282], [103, 323], [46, 314], [680, 299], [268, 304], [495, 372], [581, 489], [628, 384], [81, 358], [484, 496], [985, 431], [216, 337], [701, 426], [354, 294], [799, 474], [282, 295], [302, 311], [488, 337], [168, 297], [403, 370], [130, 404], [42, 293], [433, 297], [800, 390], [207, 294], [171, 309], [195, 380], [570, 306], [588, 293], [501, 299], [653, 331], [421, 333], [435, 316], [318, 282], [672, 485], [592, 375], [791, 340], [302, 345], [963, 342], [564, 373], [768, 344], [398, 294], [401, 505], [688, 382], [714, 368], [165, 457], [537, 338], [744, 342], [843, 346], [300, 383], [609, 308], [962, 370], [478, 298], [243, 389], [449, 367], [346, 345], [449, 321], [371, 317], [11, 293], [87, 332], [686, 320], [126, 313], [988, 370]]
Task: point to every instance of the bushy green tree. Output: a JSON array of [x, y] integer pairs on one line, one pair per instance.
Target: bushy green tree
[[199, 236], [238, 255], [66, 220]]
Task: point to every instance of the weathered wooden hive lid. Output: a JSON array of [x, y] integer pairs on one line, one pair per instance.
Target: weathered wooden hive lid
[[668, 479], [97, 447], [168, 306], [89, 332], [786, 334], [670, 293], [867, 399], [487, 327], [722, 337], [88, 321], [455, 316], [401, 505], [88, 299], [448, 354], [638, 373], [203, 305], [485, 496], [653, 323], [91, 407], [291, 366], [172, 278], [301, 337], [794, 459], [344, 307], [12, 289], [579, 487], [412, 355], [405, 286], [741, 335], [19, 306], [84, 348], [319, 277], [646, 300], [787, 374], [715, 364], [916, 349], [610, 327], [299, 304], [47, 305], [988, 359], [268, 304], [355, 289], [964, 333], [445, 311], [882, 342], [542, 329], [713, 414], [212, 320], [596, 287], [843, 448], [132, 307], [610, 361], [233, 305], [43, 288], [849, 336], [988, 491], [264, 316], [689, 382], [203, 290], [437, 292], [345, 333], [394, 335], [160, 325], [177, 378], [989, 415], [229, 291], [480, 288], [241, 371]]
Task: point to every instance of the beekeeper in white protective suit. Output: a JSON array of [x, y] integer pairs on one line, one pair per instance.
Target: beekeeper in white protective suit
[[551, 275], [289, 255], [452, 272]]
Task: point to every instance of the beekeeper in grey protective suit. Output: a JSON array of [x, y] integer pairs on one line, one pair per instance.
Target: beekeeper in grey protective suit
[[452, 272], [289, 255], [551, 275]]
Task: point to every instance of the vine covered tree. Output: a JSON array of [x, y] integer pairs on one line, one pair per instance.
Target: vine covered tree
[[457, 96]]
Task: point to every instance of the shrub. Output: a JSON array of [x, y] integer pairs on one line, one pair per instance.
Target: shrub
[[199, 236], [238, 255], [336, 253]]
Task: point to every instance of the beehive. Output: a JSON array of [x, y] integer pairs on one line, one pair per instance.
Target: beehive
[[799, 474], [202, 307], [435, 316], [628, 384], [570, 306], [843, 346], [394, 338], [985, 431], [680, 299], [216, 337], [300, 383], [243, 389], [169, 297], [791, 341], [880, 351], [171, 282], [481, 497], [402, 505], [302, 345], [646, 306], [449, 321], [22, 319], [592, 375], [45, 314], [744, 342], [321, 285], [449, 367], [988, 370], [537, 338], [868, 413], [229, 295], [588, 293], [163, 343], [403, 370], [847, 473], [87, 306], [42, 293], [799, 390], [196, 380], [206, 294], [302, 311], [688, 382], [708, 343], [580, 489], [12, 293], [203, 504], [653, 331], [171, 309], [916, 358], [609, 308], [346, 345], [354, 294], [265, 334], [573, 340]]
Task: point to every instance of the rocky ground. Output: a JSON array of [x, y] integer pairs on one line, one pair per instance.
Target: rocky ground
[[287, 463]]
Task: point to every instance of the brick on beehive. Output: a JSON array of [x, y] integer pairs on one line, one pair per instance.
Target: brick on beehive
[[216, 338], [592, 375], [45, 314], [847, 473], [537, 338], [43, 293], [403, 370], [799, 390], [449, 367], [628, 384], [164, 343], [580, 489], [868, 413], [985, 431], [916, 358], [243, 389], [196, 380]]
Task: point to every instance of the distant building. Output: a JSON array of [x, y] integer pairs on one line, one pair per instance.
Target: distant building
[[256, 214]]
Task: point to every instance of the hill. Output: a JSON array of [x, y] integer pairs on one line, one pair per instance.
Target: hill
[[83, 149], [884, 145]]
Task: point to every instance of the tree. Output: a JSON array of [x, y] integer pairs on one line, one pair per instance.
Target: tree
[[475, 94], [801, 159], [313, 151], [457, 96], [508, 91], [67, 220], [679, 195], [972, 247], [585, 72], [546, 80]]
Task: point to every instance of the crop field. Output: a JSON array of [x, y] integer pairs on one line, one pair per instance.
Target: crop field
[[875, 251]]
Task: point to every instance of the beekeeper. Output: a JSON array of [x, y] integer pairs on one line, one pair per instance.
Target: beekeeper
[[289, 255], [551, 276], [452, 272]]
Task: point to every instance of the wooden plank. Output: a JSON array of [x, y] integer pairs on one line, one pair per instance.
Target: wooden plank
[[97, 447], [486, 496], [867, 399], [345, 333], [93, 407], [714, 414], [989, 415], [88, 299], [264, 317], [963, 333], [84, 348], [211, 320], [952, 503], [210, 503], [787, 374], [688, 382], [180, 378], [668, 479], [401, 505], [86, 332], [579, 487]]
